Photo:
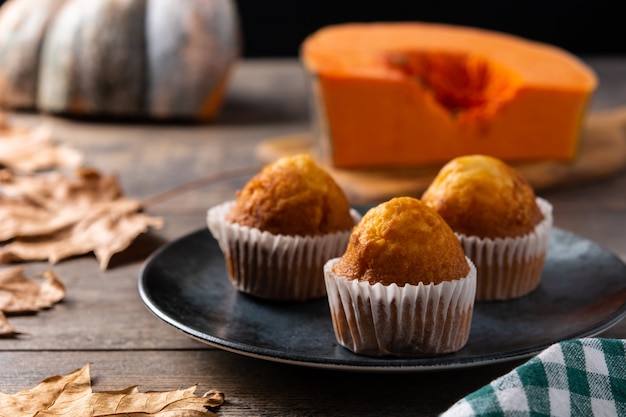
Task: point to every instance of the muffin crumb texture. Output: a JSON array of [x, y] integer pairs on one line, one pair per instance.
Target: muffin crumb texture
[[292, 196], [403, 241]]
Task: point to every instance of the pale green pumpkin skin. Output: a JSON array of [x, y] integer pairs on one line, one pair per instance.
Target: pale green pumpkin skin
[[158, 59]]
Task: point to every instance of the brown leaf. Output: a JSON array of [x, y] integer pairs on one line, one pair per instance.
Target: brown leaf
[[53, 217], [74, 386], [215, 397], [51, 189], [26, 149], [72, 395], [19, 294], [42, 204], [108, 230], [5, 327]]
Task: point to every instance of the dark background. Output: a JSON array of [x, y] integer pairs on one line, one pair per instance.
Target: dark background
[[275, 28]]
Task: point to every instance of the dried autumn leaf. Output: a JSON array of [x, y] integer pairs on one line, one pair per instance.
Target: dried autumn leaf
[[72, 395], [26, 149], [19, 294], [6, 328], [50, 189], [53, 217], [105, 232], [41, 204]]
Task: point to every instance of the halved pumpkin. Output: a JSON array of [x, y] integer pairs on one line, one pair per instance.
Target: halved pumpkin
[[403, 94]]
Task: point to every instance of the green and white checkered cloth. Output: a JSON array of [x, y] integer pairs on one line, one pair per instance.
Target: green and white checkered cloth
[[582, 377]]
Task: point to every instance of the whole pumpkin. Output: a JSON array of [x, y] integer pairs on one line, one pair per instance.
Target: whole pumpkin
[[162, 59]]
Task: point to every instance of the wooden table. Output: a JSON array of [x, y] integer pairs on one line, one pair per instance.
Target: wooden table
[[103, 321]]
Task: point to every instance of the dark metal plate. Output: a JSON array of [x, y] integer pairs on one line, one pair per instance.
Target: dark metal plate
[[583, 292]]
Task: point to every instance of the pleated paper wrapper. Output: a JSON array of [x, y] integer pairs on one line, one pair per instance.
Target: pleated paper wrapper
[[271, 266], [509, 268], [408, 321]]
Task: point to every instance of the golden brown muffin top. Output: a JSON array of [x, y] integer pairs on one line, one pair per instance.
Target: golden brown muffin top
[[403, 241], [292, 196], [480, 195]]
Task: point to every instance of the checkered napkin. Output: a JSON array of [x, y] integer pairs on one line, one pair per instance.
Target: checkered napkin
[[581, 377]]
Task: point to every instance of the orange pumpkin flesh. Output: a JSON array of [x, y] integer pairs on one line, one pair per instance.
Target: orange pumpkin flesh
[[402, 94]]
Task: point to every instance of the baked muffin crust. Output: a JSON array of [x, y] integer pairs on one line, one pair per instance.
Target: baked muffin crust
[[292, 196], [479, 195], [403, 241]]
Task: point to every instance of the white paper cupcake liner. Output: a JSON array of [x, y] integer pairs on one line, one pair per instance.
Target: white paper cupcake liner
[[509, 268], [275, 267], [409, 321]]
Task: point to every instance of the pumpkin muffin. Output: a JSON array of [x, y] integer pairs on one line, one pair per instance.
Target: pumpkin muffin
[[502, 225], [404, 286], [284, 224]]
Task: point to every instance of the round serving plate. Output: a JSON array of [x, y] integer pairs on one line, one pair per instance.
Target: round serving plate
[[184, 283]]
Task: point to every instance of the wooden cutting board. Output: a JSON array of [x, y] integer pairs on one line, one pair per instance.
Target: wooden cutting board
[[602, 154]]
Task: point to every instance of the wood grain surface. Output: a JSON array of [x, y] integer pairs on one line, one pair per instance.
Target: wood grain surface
[[180, 171]]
